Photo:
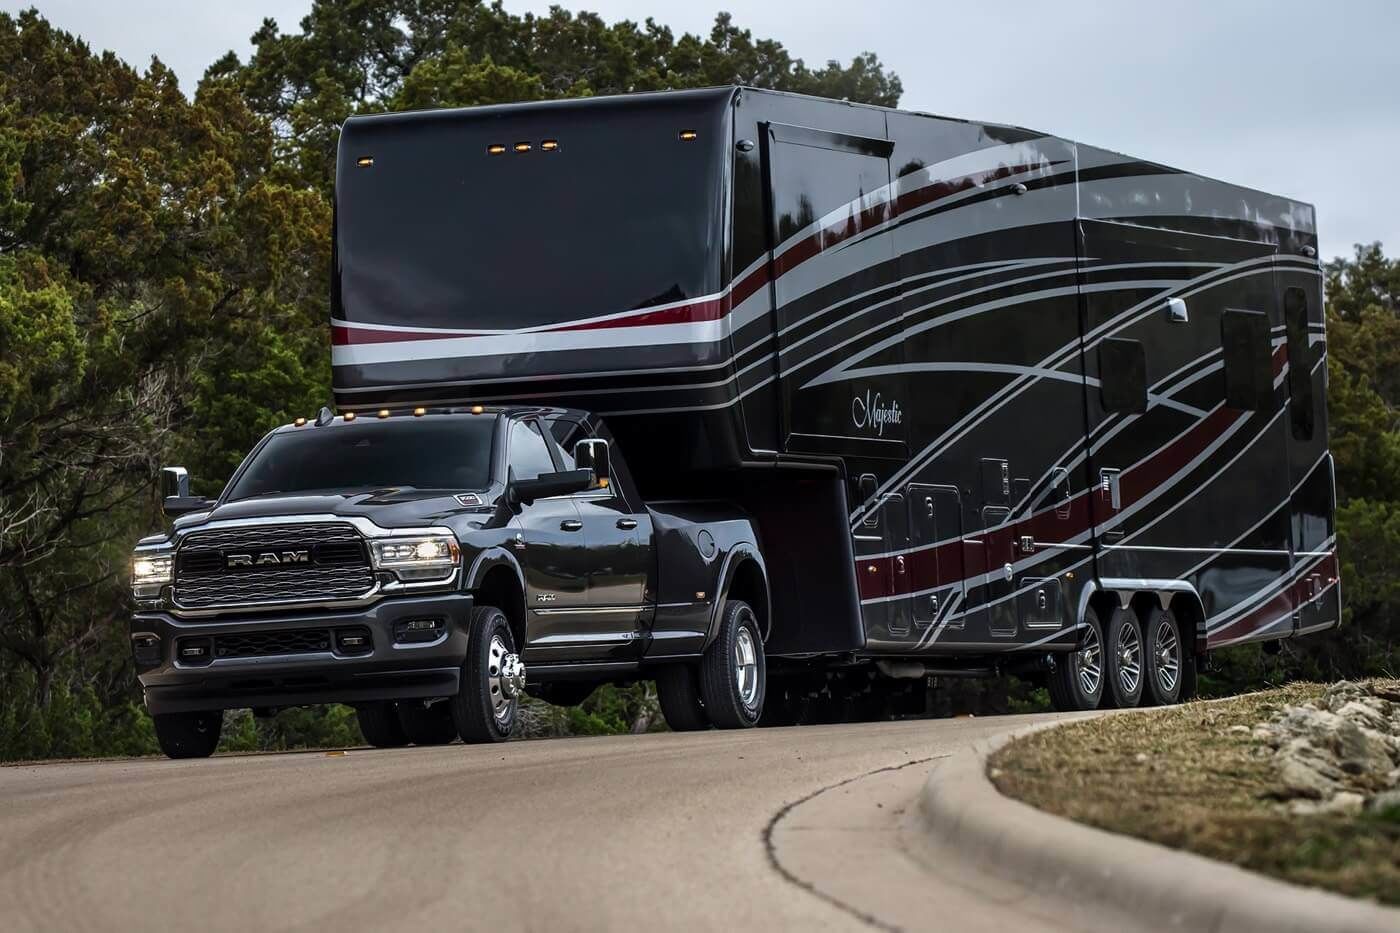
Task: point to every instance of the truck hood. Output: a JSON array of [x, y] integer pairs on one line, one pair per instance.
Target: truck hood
[[388, 508]]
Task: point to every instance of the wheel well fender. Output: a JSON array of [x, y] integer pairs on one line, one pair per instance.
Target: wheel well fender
[[742, 576], [1142, 596], [496, 579]]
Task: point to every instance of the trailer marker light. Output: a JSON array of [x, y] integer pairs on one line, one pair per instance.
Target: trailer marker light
[[348, 416], [495, 149], [365, 161], [383, 412], [299, 422], [522, 147], [550, 145], [688, 135], [419, 412]]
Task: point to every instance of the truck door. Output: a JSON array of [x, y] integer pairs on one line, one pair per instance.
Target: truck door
[[826, 192], [935, 561]]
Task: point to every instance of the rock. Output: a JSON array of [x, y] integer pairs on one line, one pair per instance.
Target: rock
[[1346, 803], [1362, 752], [1305, 771], [1240, 730], [1386, 800], [1140, 758], [1343, 692], [1366, 715]]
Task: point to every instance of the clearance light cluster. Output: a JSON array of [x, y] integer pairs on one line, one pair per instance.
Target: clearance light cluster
[[548, 145]]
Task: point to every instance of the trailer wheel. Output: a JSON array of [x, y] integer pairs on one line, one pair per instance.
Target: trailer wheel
[[678, 690], [732, 672], [189, 735], [493, 679], [379, 724], [1124, 655], [1077, 682], [1165, 659], [427, 725]]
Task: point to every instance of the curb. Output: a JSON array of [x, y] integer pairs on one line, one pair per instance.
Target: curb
[[1092, 870]]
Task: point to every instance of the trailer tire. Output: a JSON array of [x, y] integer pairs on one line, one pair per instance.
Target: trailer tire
[[485, 709], [189, 735], [427, 725], [1077, 683], [732, 672], [1123, 660], [1165, 659], [678, 691], [379, 724]]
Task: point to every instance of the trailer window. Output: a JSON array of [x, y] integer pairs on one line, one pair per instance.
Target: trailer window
[[1300, 384], [1249, 371], [1123, 376]]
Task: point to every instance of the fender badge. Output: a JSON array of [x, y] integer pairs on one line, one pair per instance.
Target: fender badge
[[468, 499]]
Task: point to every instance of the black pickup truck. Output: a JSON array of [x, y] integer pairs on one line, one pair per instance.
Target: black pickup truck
[[430, 566]]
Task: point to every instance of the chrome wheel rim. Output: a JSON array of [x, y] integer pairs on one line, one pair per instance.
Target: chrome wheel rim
[[1089, 662], [505, 678], [746, 667], [1129, 658], [1167, 657]]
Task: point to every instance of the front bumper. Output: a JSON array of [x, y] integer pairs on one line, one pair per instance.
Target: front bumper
[[325, 674]]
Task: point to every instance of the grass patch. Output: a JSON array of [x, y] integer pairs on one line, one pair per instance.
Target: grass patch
[[1180, 777]]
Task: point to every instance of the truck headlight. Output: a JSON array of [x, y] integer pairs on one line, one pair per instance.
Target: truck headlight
[[422, 557], [151, 569]]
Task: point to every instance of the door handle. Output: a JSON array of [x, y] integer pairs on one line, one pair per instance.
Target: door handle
[[570, 524], [627, 524]]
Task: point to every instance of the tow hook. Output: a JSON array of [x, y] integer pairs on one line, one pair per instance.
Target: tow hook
[[512, 675]]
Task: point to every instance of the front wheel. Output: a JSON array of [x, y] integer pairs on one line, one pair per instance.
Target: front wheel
[[189, 735], [733, 674], [487, 706]]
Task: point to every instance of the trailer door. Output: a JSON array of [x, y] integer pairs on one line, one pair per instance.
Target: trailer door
[[834, 290]]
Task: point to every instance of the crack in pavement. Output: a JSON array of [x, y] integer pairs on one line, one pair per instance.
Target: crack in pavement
[[771, 849]]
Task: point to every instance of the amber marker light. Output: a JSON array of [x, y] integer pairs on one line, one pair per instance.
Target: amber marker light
[[365, 161], [477, 409], [689, 135], [550, 145], [521, 147], [419, 412], [495, 149], [299, 422], [349, 416], [383, 412]]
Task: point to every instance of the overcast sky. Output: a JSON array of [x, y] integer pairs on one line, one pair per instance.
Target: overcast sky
[[1296, 98]]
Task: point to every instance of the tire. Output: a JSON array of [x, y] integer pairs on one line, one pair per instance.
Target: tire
[[1077, 683], [379, 724], [487, 706], [427, 725], [732, 672], [1124, 660], [189, 735], [678, 690], [1164, 656], [565, 693]]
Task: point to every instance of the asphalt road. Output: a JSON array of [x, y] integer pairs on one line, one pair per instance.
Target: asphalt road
[[669, 831]]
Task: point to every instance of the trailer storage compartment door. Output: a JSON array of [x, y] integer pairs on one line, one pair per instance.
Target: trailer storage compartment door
[[834, 290]]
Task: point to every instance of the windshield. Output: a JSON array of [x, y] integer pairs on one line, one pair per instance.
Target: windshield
[[621, 213], [426, 453]]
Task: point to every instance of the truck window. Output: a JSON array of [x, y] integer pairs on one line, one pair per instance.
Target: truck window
[[528, 457], [1123, 376], [1248, 355], [370, 455], [1300, 384]]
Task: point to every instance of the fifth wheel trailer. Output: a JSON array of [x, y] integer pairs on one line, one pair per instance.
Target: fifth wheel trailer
[[989, 399]]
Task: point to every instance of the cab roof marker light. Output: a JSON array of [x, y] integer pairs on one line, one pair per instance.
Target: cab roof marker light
[[477, 409], [365, 161], [522, 147], [348, 416], [688, 135], [383, 412], [495, 149], [550, 145], [300, 422], [419, 412]]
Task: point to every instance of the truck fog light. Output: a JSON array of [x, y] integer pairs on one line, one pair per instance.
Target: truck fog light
[[353, 641], [417, 631], [194, 651]]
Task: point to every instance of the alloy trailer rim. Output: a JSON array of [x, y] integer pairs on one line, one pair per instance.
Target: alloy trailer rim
[[1089, 662], [1167, 657], [505, 678], [1129, 659], [746, 667]]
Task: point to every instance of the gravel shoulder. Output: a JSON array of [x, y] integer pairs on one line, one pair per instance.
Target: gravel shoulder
[[1293, 783]]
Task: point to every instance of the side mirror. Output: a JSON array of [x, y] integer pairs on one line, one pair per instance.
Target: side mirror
[[592, 453], [526, 491], [175, 490]]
